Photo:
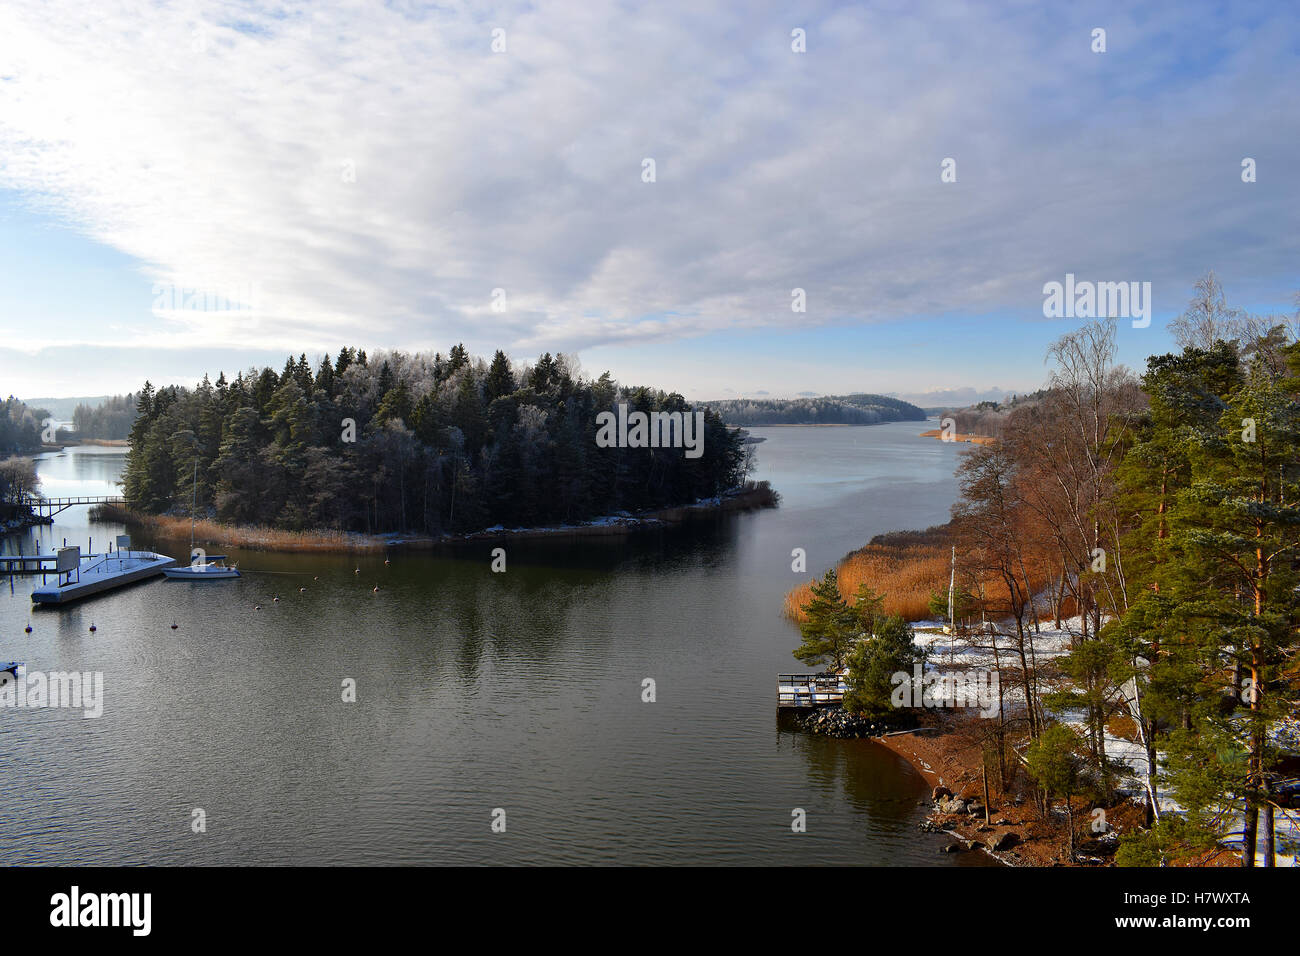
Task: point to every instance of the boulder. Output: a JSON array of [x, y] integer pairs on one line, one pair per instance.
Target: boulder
[[940, 793], [1001, 841]]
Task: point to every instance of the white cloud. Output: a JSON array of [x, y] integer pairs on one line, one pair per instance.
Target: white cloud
[[212, 142]]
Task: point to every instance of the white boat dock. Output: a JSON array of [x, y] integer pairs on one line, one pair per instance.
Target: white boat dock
[[810, 690], [101, 573]]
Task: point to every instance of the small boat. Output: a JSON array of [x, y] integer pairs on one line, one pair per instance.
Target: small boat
[[202, 567], [210, 569]]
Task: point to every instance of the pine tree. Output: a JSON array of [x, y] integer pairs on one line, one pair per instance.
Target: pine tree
[[874, 662], [828, 628]]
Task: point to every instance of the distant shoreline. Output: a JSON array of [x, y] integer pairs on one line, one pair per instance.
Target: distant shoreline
[[79, 442], [825, 424], [959, 436]]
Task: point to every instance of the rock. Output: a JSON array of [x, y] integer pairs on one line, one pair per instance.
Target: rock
[[951, 848], [1004, 822], [940, 793], [1004, 841], [975, 810]]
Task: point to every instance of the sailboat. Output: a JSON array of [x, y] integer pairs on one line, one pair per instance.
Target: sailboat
[[202, 567]]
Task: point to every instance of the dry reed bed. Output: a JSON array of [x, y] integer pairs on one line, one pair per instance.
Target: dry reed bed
[[959, 436], [263, 538], [907, 567], [253, 537]]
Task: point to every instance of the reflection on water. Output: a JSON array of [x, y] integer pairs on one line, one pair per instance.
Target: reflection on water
[[77, 471], [475, 691]]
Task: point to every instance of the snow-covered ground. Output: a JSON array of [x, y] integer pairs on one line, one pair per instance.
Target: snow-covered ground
[[955, 653]]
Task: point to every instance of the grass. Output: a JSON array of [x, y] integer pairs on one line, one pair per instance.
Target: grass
[[254, 537], [960, 436], [907, 567]]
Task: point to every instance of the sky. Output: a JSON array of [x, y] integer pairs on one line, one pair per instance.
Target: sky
[[408, 176]]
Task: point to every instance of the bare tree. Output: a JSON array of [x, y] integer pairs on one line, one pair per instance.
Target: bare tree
[[1208, 317]]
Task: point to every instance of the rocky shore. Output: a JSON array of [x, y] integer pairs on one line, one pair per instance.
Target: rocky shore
[[11, 523], [952, 815], [949, 753], [837, 722]]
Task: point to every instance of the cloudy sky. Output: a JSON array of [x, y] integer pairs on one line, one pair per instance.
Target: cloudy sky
[[380, 175]]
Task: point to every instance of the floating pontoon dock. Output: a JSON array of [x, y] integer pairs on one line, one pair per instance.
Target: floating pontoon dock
[[99, 573], [810, 690]]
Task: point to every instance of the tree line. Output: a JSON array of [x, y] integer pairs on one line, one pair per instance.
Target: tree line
[[989, 419], [399, 442], [109, 420], [20, 427]]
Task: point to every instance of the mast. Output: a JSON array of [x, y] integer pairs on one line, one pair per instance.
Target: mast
[[952, 617], [194, 504]]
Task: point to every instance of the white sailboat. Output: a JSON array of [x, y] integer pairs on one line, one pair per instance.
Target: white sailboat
[[202, 567]]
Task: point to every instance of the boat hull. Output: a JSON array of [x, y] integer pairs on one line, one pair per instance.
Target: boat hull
[[195, 574]]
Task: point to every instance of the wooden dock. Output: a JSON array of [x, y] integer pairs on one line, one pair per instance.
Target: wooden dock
[[49, 507], [28, 563], [809, 690]]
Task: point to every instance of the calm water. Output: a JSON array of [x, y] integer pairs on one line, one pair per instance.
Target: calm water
[[475, 691]]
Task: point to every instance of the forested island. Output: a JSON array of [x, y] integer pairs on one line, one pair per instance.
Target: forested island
[[411, 443], [856, 409]]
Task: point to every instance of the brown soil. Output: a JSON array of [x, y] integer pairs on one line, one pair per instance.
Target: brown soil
[[949, 753]]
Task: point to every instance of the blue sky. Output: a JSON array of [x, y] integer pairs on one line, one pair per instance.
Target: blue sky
[[372, 175]]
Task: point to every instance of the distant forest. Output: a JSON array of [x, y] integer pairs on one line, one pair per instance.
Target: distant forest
[[856, 409], [990, 419], [20, 427], [111, 419], [411, 443]]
